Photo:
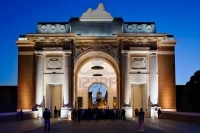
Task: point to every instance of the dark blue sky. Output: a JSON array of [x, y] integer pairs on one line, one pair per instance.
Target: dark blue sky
[[178, 17]]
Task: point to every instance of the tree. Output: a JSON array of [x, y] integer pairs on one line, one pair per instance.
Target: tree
[[191, 94]]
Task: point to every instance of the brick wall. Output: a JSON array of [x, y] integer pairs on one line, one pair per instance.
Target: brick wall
[[26, 80], [166, 77]]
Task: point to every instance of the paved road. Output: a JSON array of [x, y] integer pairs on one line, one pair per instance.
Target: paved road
[[100, 126]]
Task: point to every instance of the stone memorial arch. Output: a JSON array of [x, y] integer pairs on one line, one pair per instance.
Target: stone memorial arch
[[58, 64]]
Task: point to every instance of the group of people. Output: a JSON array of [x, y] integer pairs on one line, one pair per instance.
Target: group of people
[[96, 114], [56, 112], [88, 114]]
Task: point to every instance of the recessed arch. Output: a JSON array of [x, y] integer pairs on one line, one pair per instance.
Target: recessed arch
[[95, 55], [85, 76]]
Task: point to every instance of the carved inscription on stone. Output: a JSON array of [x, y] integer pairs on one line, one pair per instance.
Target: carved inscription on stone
[[138, 63], [109, 48], [54, 63]]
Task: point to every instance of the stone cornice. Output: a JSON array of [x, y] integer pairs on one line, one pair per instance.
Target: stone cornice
[[134, 52], [25, 43], [160, 39], [139, 37], [53, 52], [167, 43], [141, 34], [25, 53], [51, 37], [166, 52], [96, 39]]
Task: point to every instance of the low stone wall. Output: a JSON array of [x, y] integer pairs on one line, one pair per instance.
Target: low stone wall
[[15, 116], [182, 116]]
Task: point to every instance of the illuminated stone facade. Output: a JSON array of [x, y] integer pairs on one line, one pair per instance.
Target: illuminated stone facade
[[56, 61]]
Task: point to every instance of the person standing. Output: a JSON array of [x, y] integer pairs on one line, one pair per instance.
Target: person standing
[[123, 114], [55, 112], [136, 112], [103, 114], [79, 114], [159, 113], [46, 116], [74, 114], [141, 120], [21, 115]]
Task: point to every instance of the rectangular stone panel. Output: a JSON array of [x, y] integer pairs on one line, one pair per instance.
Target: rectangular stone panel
[[96, 28]]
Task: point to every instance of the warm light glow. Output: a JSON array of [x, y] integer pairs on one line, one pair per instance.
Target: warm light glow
[[24, 98], [69, 115], [168, 98]]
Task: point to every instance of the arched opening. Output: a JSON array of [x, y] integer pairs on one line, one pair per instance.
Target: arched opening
[[93, 72], [97, 96]]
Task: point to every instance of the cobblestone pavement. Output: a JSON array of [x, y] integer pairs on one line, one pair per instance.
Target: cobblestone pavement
[[95, 126], [171, 126], [100, 126]]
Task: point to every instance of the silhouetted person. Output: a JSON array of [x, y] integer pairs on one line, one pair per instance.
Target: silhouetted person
[[104, 114], [83, 113], [46, 116], [159, 113], [136, 112], [79, 112], [141, 120], [123, 112], [59, 112], [74, 114], [96, 113], [112, 114], [89, 114], [55, 112], [21, 115]]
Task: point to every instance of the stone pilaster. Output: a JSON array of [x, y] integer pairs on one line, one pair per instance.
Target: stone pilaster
[[39, 79], [166, 71], [66, 80], [26, 75], [153, 80], [125, 78]]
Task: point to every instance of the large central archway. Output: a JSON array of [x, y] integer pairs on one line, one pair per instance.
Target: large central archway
[[96, 68]]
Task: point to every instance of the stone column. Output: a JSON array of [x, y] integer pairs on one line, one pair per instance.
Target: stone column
[[153, 79], [125, 78], [75, 92], [65, 88], [39, 79]]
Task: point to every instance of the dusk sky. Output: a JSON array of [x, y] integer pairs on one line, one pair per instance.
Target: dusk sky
[[180, 18]]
